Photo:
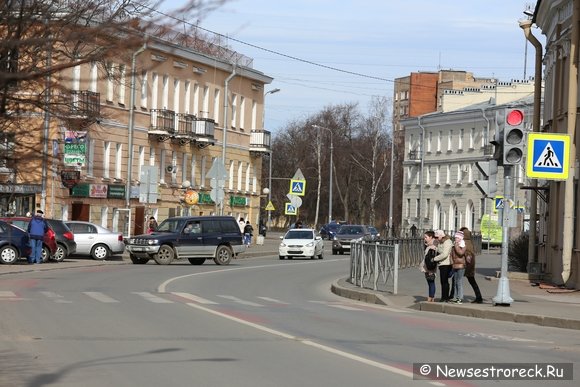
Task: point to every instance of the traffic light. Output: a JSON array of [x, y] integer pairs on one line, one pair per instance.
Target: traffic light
[[488, 169], [513, 138]]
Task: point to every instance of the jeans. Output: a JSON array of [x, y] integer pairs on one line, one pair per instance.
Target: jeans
[[247, 239], [36, 256], [444, 278], [458, 284], [431, 287]]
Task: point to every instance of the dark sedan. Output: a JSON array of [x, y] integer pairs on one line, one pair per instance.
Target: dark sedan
[[348, 233], [14, 243]]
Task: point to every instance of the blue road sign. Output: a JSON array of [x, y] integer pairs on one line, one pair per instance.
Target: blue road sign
[[297, 187], [548, 156]]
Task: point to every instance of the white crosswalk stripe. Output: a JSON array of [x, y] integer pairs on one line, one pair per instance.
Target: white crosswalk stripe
[[56, 297], [153, 298], [240, 301], [193, 298], [273, 300], [101, 297], [8, 295], [344, 307]]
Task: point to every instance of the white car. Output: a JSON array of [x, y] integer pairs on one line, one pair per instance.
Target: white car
[[301, 242], [96, 241]]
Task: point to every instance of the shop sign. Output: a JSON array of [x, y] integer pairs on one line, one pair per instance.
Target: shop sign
[[21, 188], [204, 198], [98, 191], [238, 201], [191, 197], [70, 178], [116, 192], [74, 154], [80, 191]]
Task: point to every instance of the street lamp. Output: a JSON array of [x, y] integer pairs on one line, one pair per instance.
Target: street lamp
[[330, 174], [270, 158]]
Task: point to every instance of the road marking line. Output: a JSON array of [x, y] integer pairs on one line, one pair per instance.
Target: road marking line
[[335, 351], [197, 299], [56, 297], [7, 294], [153, 298], [273, 300], [239, 300], [101, 297], [338, 306]]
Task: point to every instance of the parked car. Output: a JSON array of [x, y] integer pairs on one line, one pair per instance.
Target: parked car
[[301, 242], [14, 243], [65, 239], [49, 246], [195, 238], [346, 234], [375, 234], [94, 240], [328, 230]]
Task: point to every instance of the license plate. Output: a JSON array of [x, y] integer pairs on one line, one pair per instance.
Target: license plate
[[138, 249]]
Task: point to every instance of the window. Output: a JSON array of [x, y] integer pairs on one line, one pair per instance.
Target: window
[[461, 134], [469, 173], [242, 112], [408, 209], [118, 160], [459, 173], [184, 165], [248, 174], [255, 115], [193, 174], [110, 85], [471, 138], [427, 206], [418, 177], [122, 84], [231, 175], [91, 157], [448, 177], [234, 110], [151, 157], [439, 141], [165, 92], [94, 77], [162, 166], [154, 91], [202, 171], [428, 176], [450, 141], [141, 159], [409, 175], [106, 161], [438, 175], [176, 95], [187, 101], [7, 146], [429, 139], [411, 139], [205, 107], [144, 87], [216, 105], [417, 205], [240, 175], [196, 108]]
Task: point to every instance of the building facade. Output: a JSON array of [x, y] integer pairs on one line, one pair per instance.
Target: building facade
[[193, 144]]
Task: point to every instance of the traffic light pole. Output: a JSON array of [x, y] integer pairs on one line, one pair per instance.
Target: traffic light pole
[[503, 288]]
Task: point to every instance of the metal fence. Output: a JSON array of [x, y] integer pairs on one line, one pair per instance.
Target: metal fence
[[375, 265]]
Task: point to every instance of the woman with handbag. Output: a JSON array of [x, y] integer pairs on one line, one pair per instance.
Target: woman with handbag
[[470, 265], [428, 265]]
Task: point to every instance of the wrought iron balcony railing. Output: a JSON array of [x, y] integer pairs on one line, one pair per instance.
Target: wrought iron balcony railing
[[84, 103], [260, 140], [163, 120]]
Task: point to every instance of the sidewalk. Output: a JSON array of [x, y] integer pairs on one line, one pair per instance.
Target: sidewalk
[[532, 304]]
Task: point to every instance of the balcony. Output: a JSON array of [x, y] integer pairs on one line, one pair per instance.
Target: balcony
[[414, 155], [203, 132], [80, 107], [184, 133], [260, 141], [162, 124]]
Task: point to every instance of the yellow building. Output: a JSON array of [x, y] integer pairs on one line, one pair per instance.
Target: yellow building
[[101, 160]]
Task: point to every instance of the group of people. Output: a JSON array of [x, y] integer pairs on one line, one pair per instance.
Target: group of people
[[454, 259], [247, 231]]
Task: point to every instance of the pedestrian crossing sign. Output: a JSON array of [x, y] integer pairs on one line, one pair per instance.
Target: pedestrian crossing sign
[[290, 209], [548, 156], [297, 187]]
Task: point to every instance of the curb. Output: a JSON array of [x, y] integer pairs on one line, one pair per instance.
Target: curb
[[369, 296]]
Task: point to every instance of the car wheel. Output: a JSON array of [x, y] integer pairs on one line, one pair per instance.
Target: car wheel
[[165, 255], [223, 255], [137, 260], [60, 254], [100, 252], [45, 254], [196, 261], [333, 252], [8, 255]]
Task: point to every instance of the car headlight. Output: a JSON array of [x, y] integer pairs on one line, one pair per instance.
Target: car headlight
[[153, 242], [131, 241], [309, 244], [282, 244]]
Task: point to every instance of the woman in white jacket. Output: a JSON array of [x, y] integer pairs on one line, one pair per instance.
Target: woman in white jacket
[[444, 262]]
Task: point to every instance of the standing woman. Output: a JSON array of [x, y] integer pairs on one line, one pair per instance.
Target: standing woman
[[430, 271], [458, 263], [470, 265], [444, 262]]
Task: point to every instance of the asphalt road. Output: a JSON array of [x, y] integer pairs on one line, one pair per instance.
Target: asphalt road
[[257, 322]]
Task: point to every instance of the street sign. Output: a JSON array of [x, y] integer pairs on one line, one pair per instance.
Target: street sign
[[548, 156], [499, 202], [290, 209], [270, 207], [297, 187], [217, 170], [296, 201]]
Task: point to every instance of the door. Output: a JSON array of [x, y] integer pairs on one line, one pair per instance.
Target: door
[[191, 240], [80, 211], [139, 228]]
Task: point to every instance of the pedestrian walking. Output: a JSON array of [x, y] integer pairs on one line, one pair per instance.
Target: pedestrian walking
[[248, 233], [37, 227], [443, 258], [428, 265], [458, 265], [242, 224], [470, 265]]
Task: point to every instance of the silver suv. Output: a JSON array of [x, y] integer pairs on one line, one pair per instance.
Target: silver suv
[[195, 238]]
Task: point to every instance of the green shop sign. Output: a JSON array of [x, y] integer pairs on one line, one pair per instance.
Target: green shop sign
[[80, 191], [238, 201], [204, 198], [116, 192]]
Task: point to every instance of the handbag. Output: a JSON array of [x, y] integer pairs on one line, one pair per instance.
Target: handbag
[[430, 276]]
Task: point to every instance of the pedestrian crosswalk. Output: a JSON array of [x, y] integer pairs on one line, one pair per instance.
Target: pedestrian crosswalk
[[164, 298]]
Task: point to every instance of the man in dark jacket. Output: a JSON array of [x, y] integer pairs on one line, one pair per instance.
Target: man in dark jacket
[[36, 229]]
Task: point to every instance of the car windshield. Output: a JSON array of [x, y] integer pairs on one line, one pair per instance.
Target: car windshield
[[299, 234], [168, 225], [332, 226], [350, 230]]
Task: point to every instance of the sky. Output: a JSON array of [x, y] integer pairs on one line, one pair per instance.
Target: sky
[[330, 52]]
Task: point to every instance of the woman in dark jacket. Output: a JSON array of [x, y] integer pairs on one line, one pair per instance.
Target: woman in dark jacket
[[470, 265]]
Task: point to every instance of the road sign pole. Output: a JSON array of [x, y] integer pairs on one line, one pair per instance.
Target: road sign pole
[[503, 287]]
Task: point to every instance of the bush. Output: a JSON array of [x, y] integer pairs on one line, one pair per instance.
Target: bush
[[518, 253]]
